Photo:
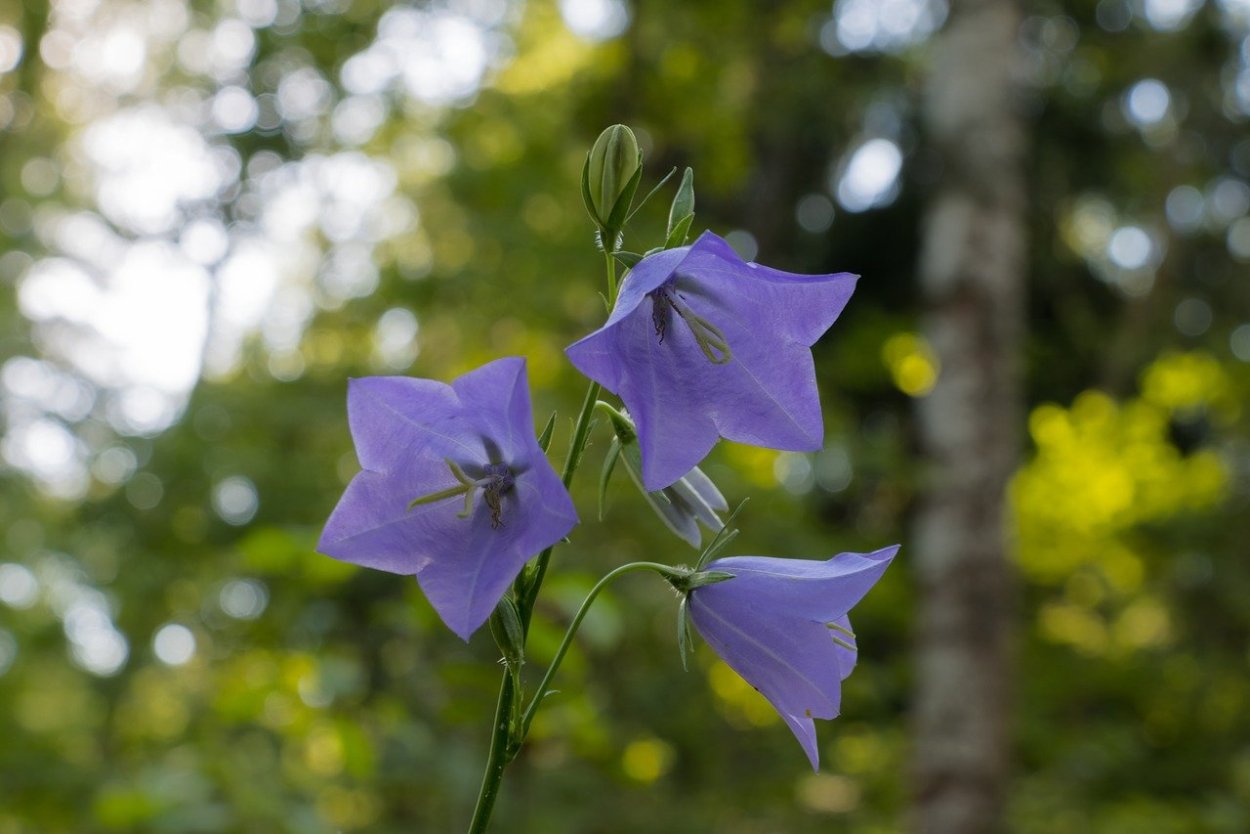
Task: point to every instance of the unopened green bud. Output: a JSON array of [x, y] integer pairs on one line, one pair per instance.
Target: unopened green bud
[[506, 628], [610, 178]]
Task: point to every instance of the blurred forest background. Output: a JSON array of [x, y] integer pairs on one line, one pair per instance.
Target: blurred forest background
[[212, 212]]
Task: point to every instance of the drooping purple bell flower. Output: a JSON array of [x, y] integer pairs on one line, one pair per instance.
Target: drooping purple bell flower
[[454, 487], [701, 345], [782, 625]]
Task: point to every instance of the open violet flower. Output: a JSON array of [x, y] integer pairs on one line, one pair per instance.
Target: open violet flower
[[701, 345], [782, 625], [454, 487]]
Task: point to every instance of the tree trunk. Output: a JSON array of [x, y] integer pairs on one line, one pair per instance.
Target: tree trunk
[[972, 272]]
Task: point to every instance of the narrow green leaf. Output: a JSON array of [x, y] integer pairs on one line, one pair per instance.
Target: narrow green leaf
[[678, 234], [651, 194], [609, 464], [684, 642], [682, 208], [544, 439]]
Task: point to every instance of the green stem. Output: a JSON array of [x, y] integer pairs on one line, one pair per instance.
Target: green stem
[[500, 740], [577, 447], [504, 740], [544, 686], [611, 264]]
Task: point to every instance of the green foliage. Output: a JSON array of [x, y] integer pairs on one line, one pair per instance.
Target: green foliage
[[320, 697]]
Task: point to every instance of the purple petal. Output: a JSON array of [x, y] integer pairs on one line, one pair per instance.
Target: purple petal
[[495, 397], [791, 662], [800, 306], [404, 430], [397, 418], [764, 395], [819, 591], [770, 624], [651, 272], [465, 588]]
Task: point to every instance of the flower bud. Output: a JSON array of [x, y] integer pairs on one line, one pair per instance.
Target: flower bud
[[611, 176]]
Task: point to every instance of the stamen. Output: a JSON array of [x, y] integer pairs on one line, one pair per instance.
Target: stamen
[[708, 336], [497, 481]]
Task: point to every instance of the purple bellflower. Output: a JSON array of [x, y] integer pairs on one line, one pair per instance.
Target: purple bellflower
[[782, 625], [701, 345], [423, 445]]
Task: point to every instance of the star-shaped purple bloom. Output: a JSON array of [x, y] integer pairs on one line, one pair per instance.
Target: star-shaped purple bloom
[[472, 441], [782, 625], [701, 345]]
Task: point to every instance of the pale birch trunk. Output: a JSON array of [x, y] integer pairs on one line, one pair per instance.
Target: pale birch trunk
[[972, 272]]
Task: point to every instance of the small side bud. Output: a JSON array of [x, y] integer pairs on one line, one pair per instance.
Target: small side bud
[[610, 178], [506, 628]]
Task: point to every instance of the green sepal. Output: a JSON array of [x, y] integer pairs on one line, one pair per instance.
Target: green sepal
[[685, 643], [628, 259], [684, 580], [621, 424], [620, 211], [544, 439], [590, 204], [677, 236], [651, 193], [700, 578], [682, 209], [506, 628], [723, 537], [609, 464]]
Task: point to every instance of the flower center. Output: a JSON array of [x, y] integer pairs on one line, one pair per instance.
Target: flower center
[[495, 481], [665, 301]]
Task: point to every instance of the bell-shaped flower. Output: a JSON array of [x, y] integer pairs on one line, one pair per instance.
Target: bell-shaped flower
[[454, 489], [782, 625], [701, 345]]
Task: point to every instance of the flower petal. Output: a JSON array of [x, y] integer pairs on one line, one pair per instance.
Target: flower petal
[[800, 307], [396, 418], [404, 430], [765, 394], [819, 591], [791, 662], [770, 623], [495, 398], [674, 431]]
